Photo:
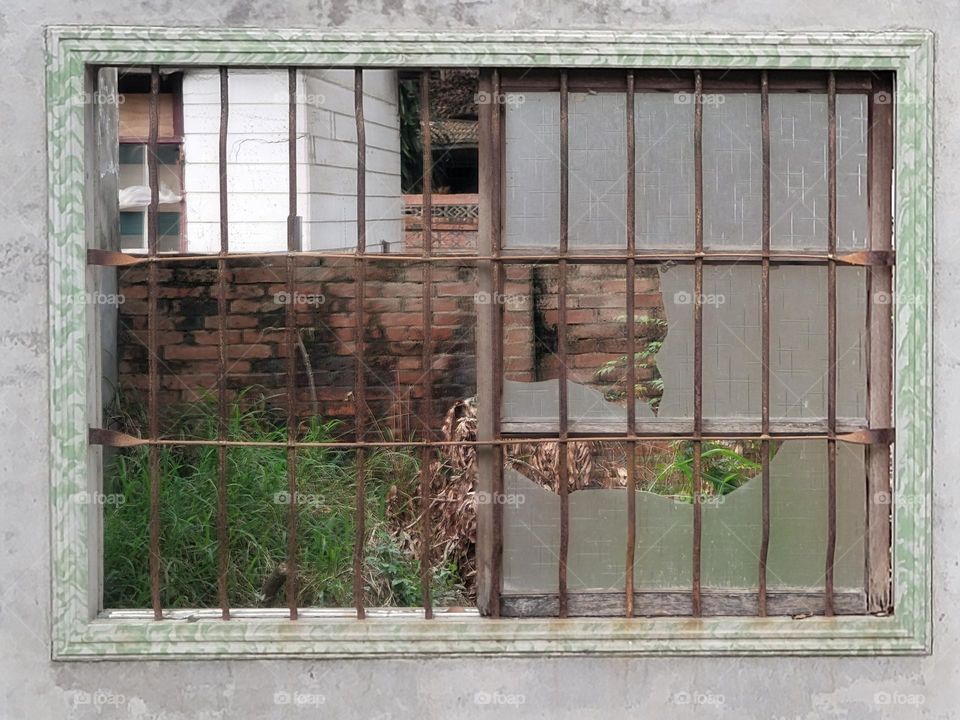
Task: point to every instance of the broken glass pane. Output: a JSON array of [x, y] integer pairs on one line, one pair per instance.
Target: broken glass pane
[[597, 361], [731, 513]]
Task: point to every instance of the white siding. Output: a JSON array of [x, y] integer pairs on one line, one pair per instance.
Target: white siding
[[257, 179]]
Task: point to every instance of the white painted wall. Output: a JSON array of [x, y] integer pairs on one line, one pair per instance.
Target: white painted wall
[[257, 159]]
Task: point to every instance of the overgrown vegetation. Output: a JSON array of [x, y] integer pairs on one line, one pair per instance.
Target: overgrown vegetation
[[725, 466], [257, 507]]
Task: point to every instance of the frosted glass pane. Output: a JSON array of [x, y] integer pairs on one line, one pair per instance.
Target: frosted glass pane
[[732, 171], [731, 342], [598, 170], [532, 173], [798, 164], [732, 371], [665, 171], [799, 344], [852, 344], [798, 171], [851, 172]]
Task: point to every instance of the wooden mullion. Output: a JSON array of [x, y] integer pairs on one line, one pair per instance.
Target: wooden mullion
[[880, 310]]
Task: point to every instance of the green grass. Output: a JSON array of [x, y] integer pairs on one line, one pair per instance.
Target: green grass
[[257, 520], [723, 470]]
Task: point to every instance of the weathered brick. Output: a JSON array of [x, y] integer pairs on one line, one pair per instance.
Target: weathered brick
[[190, 352]]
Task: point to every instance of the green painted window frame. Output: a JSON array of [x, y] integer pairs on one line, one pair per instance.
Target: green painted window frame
[[73, 53]]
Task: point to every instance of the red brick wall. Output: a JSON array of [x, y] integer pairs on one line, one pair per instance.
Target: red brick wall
[[257, 355]]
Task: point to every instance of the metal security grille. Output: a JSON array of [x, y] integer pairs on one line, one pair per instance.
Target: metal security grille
[[491, 262]]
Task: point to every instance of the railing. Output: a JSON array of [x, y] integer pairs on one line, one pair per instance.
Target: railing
[[448, 212]]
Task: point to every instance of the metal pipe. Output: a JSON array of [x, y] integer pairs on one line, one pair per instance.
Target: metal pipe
[[223, 541], [153, 369], [631, 346], [697, 340], [290, 345], [426, 418], [360, 380]]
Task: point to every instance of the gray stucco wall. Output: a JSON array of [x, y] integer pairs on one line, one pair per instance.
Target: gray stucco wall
[[33, 687]]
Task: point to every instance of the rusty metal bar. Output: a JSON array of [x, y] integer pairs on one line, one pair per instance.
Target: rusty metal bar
[[153, 369], [563, 480], [290, 345], [426, 470], [112, 438], [223, 542], [831, 343], [499, 272], [360, 380], [765, 347], [697, 338], [631, 346], [870, 258]]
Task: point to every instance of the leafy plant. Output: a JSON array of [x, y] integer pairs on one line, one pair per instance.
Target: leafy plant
[[411, 147], [723, 470]]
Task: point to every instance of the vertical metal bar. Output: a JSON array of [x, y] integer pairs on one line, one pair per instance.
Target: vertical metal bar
[[499, 270], [879, 341], [426, 454], [360, 381], [697, 338], [223, 559], [631, 347], [290, 343], [564, 471], [831, 342], [153, 369], [765, 347]]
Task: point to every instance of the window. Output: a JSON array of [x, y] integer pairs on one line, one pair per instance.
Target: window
[[134, 182], [679, 332], [704, 234]]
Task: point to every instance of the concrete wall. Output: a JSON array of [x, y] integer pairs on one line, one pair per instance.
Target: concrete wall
[[555, 689]]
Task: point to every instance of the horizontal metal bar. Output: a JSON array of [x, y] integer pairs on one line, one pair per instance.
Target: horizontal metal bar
[[113, 438], [873, 436], [868, 258], [884, 258], [112, 258]]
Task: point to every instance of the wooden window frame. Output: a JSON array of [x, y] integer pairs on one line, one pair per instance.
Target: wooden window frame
[[877, 259], [79, 631]]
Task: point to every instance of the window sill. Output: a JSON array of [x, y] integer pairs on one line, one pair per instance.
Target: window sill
[[261, 633]]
